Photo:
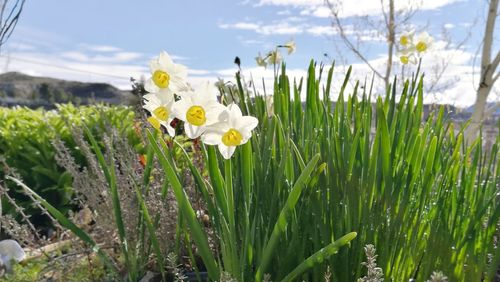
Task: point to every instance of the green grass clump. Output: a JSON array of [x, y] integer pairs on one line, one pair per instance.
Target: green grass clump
[[413, 188], [426, 200]]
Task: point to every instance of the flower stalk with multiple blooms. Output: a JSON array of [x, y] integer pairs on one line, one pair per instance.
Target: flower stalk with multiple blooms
[[171, 98], [413, 46]]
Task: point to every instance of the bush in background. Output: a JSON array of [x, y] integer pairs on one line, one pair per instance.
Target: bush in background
[[26, 137]]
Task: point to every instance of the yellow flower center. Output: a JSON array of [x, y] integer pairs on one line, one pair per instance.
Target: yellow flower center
[[196, 116], [404, 60], [154, 122], [161, 79], [161, 113], [421, 46], [232, 137], [404, 40]]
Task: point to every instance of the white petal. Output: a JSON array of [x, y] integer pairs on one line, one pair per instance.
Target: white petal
[[149, 107], [179, 108], [152, 98], [12, 250], [219, 127], [186, 94], [206, 92], [226, 151], [170, 129], [215, 113], [245, 139], [193, 131], [246, 123], [150, 103], [234, 112], [177, 85], [165, 97], [154, 65], [150, 86], [181, 71], [224, 116], [211, 138], [165, 61]]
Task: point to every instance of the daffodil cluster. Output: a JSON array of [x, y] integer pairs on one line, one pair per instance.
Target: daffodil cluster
[[412, 46], [171, 98], [274, 57]]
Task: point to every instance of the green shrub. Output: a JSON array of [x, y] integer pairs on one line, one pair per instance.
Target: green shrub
[[26, 137]]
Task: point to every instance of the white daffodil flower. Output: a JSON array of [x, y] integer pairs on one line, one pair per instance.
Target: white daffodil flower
[[274, 57], [10, 251], [406, 39], [233, 130], [261, 62], [290, 45], [166, 75], [160, 107], [406, 56], [198, 109], [422, 42]]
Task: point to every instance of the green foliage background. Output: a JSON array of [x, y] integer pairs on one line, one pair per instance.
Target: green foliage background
[[26, 137]]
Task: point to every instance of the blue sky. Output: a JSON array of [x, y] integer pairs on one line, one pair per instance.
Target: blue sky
[[109, 41]]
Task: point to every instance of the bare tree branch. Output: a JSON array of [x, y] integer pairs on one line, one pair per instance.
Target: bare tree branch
[[347, 41], [495, 62], [8, 24], [495, 77]]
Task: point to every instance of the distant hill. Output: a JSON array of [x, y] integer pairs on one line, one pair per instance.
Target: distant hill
[[21, 89]]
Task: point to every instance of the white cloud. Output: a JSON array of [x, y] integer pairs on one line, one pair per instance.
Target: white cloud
[[318, 8], [20, 46], [102, 48], [321, 30], [249, 42], [74, 55], [119, 57], [110, 57], [241, 25], [290, 28], [281, 28], [284, 13], [198, 72]]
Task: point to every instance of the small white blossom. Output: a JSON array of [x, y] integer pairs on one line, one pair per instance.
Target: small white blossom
[[422, 42], [160, 107], [166, 75], [233, 130], [290, 45], [274, 57], [198, 109], [261, 61]]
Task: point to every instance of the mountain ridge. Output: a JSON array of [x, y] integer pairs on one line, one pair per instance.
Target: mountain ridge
[[33, 91]]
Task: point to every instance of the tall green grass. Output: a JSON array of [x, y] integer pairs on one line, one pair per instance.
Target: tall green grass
[[426, 200], [317, 183]]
